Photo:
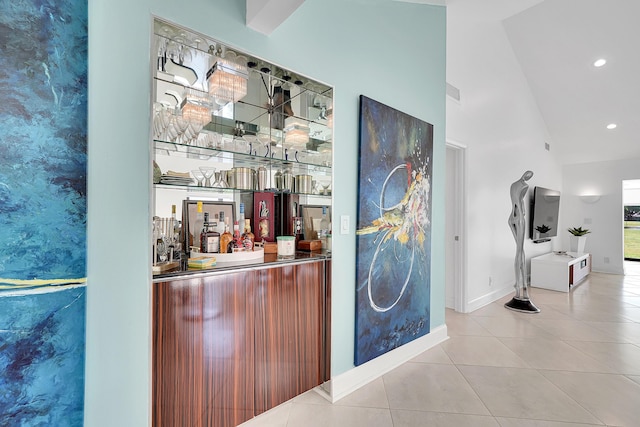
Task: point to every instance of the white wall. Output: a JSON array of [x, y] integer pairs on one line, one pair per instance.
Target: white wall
[[499, 122], [605, 217], [391, 51]]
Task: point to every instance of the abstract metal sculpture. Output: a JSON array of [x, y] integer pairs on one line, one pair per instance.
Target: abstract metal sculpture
[[517, 224]]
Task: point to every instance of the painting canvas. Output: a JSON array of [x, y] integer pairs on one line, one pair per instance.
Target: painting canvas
[[43, 146], [393, 237]]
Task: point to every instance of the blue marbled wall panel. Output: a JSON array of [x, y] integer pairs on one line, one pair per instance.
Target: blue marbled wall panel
[[43, 138], [43, 145], [42, 350]]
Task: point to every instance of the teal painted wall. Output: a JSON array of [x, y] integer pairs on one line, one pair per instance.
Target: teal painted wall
[[390, 51]]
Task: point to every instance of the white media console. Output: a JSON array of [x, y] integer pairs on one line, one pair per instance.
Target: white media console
[[559, 271]]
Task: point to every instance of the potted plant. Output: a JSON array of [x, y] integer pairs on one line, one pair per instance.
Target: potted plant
[[578, 239]]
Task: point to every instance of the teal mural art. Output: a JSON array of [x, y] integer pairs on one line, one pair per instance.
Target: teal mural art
[[43, 146]]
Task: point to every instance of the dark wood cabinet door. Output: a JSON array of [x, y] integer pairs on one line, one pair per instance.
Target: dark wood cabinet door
[[203, 347], [289, 332]]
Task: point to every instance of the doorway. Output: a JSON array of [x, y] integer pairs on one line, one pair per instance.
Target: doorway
[[455, 287], [631, 206]]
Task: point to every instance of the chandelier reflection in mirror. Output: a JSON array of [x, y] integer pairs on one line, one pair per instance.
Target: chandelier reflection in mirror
[[228, 77]]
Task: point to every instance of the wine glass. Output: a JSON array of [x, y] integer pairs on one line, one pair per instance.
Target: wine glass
[[325, 187], [183, 130], [219, 181], [208, 172], [198, 175]]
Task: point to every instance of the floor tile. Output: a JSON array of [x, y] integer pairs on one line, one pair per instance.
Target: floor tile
[[519, 422], [611, 398], [635, 378], [543, 353], [439, 419], [433, 355], [484, 351], [523, 393], [458, 325], [437, 388], [572, 330], [495, 309], [515, 327], [621, 358], [619, 331], [372, 395], [276, 417], [311, 397], [631, 314], [304, 415]]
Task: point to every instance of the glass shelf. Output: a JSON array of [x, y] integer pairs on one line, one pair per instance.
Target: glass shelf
[[304, 158], [229, 191], [255, 110]]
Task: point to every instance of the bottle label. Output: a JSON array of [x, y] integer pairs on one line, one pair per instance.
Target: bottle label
[[213, 244], [248, 244]]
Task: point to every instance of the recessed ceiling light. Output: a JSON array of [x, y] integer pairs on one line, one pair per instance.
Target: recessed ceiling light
[[612, 126], [600, 62]]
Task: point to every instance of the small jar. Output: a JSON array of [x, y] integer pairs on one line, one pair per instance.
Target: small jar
[[286, 247], [328, 244]]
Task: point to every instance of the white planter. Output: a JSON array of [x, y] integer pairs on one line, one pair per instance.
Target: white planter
[[576, 243]]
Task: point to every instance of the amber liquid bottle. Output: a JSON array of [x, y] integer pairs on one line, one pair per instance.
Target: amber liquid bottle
[[209, 238], [248, 239], [235, 245], [225, 238]]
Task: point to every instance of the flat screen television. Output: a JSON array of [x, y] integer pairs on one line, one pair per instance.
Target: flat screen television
[[544, 214]]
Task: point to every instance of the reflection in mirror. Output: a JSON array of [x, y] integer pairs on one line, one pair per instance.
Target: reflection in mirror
[[312, 220]]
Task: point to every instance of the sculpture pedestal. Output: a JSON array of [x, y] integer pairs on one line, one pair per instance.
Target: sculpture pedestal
[[521, 305]]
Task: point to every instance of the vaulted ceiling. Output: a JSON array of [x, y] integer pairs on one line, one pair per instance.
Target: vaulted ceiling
[[557, 43]]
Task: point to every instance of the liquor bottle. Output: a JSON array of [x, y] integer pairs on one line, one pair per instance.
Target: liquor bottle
[[174, 241], [236, 244], [221, 224], [241, 218], [248, 239], [209, 237], [324, 228], [197, 227], [225, 238]]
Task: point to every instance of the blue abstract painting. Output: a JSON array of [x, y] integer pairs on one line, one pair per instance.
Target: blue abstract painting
[[43, 150], [393, 237]]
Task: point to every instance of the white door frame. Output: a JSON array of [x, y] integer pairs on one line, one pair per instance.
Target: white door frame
[[460, 225]]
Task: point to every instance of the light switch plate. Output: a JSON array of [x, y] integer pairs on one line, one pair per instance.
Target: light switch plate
[[344, 224]]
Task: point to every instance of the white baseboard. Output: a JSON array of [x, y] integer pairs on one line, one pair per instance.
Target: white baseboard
[[348, 382], [486, 299]]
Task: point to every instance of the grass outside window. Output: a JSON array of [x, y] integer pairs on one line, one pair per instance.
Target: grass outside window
[[632, 239]]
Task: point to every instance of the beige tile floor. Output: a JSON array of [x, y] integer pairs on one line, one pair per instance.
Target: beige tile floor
[[577, 363]]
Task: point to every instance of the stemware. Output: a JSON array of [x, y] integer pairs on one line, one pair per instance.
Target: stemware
[[208, 172], [325, 187], [220, 181], [199, 176]]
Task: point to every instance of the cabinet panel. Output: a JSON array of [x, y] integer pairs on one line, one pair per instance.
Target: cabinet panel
[[289, 337], [203, 366]]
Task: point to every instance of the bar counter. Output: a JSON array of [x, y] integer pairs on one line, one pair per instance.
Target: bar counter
[[270, 260]]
